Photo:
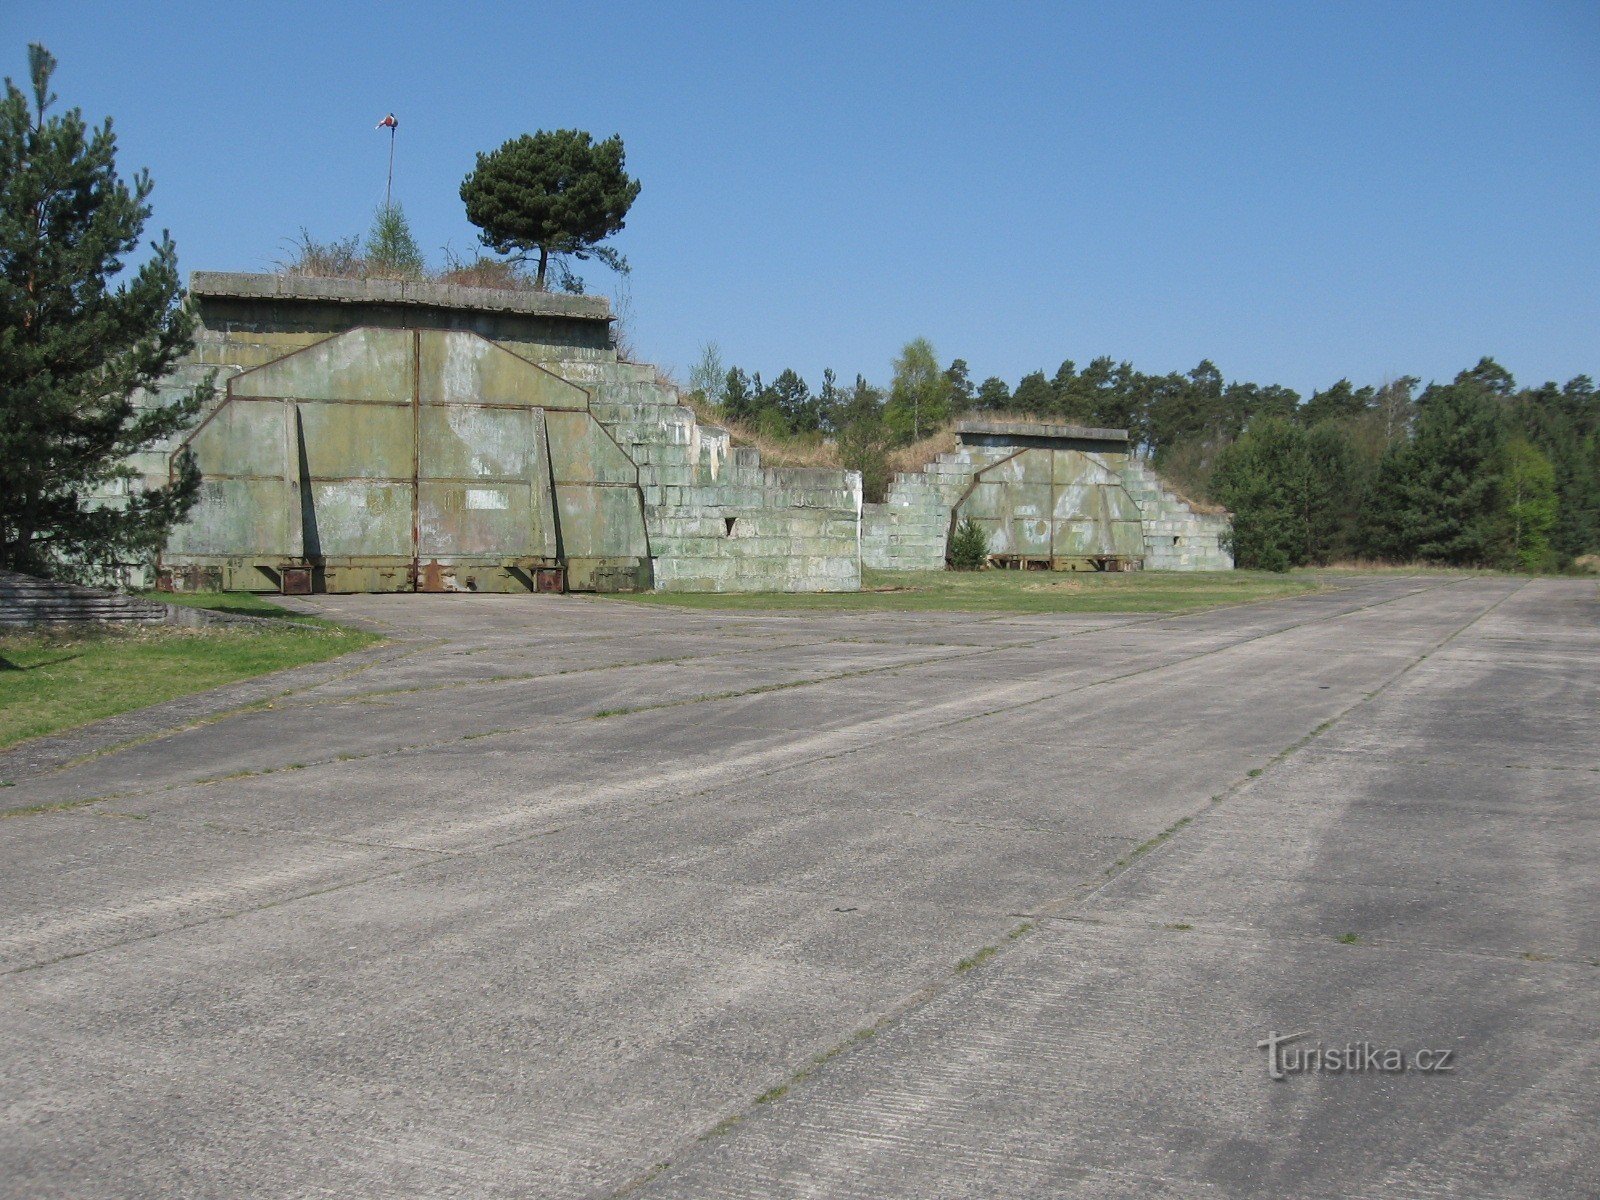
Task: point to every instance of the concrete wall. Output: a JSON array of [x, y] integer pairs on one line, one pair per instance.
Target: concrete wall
[[791, 529], [909, 531], [718, 520]]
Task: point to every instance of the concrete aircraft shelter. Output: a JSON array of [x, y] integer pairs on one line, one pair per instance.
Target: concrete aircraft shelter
[[370, 435], [405, 459], [1048, 497]]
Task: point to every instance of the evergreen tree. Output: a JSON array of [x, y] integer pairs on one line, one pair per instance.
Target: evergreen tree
[[791, 396], [1096, 399], [1066, 401], [993, 395], [829, 401], [1263, 478], [763, 400], [969, 546], [1491, 377], [738, 397], [553, 194], [1436, 497], [1335, 486], [74, 351], [1341, 402], [864, 440], [1184, 408], [1034, 396], [391, 252], [772, 424], [919, 396], [962, 393]]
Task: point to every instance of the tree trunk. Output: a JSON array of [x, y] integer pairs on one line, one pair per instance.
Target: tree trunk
[[544, 261]]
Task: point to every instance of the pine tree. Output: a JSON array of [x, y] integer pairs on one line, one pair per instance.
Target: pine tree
[[75, 353], [969, 546], [1034, 396], [1436, 497], [552, 195], [864, 440], [993, 395], [1067, 400], [391, 251], [1263, 478], [962, 393], [791, 397], [829, 401], [1335, 486], [738, 400]]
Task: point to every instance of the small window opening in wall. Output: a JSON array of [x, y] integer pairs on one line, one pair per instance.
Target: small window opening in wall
[[728, 521], [1177, 541]]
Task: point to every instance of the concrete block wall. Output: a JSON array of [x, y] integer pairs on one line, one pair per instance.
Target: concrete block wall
[[1176, 537], [718, 520], [909, 531]]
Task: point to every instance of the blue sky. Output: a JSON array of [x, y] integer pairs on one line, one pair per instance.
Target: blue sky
[[1298, 192]]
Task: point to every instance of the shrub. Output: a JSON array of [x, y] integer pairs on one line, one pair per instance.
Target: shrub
[[338, 259], [969, 548]]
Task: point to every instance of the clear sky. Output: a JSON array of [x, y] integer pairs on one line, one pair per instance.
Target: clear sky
[[1296, 191]]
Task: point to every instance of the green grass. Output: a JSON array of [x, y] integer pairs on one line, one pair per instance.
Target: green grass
[[1018, 591], [51, 682], [240, 604]]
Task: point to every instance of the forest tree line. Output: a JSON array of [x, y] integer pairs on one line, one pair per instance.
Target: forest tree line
[[1473, 472]]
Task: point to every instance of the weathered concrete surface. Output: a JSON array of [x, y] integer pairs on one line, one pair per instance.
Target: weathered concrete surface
[[432, 928]]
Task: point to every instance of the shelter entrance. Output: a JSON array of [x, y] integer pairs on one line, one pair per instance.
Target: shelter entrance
[[385, 460], [1053, 508]]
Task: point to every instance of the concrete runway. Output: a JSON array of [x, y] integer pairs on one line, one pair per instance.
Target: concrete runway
[[568, 897]]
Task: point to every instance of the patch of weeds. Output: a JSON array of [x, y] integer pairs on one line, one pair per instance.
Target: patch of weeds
[[1255, 773], [34, 810], [773, 1094], [7, 783], [610, 712], [1145, 847], [982, 956], [1535, 956], [1181, 926], [1349, 939]]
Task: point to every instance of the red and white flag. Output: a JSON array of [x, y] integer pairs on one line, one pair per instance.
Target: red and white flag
[[388, 123]]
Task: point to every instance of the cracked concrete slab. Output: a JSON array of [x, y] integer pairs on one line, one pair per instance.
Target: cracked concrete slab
[[434, 929]]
